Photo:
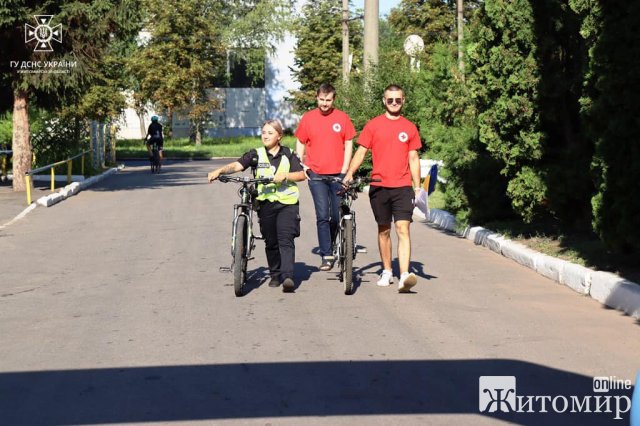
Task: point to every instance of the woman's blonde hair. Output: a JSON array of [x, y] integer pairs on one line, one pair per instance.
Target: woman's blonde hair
[[276, 124]]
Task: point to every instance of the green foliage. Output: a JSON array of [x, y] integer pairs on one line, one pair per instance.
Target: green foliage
[[184, 56], [504, 84], [6, 131], [318, 54], [230, 147], [433, 20], [612, 112], [89, 28], [253, 27], [56, 137], [447, 118]]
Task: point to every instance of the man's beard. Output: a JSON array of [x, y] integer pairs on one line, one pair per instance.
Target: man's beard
[[395, 114]]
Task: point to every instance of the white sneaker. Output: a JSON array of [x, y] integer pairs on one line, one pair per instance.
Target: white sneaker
[[386, 278], [407, 280]]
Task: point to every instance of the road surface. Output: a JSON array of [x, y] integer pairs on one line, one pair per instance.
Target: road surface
[[113, 311]]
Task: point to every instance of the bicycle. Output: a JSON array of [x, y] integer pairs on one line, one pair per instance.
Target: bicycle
[[242, 236], [345, 247], [155, 157]]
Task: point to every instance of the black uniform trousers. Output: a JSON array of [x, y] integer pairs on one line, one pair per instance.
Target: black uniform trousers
[[279, 225]]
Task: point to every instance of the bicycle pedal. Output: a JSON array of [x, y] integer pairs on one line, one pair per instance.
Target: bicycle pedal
[[225, 269], [361, 250], [250, 258]]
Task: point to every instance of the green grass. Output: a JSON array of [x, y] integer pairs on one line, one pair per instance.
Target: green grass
[[182, 148], [582, 248]]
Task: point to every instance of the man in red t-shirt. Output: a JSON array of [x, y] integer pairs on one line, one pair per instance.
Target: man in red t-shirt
[[324, 146], [394, 142]]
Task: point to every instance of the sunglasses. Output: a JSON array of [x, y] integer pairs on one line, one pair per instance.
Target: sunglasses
[[393, 100]]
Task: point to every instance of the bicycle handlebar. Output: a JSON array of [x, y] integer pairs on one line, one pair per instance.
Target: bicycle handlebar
[[356, 181], [244, 179]]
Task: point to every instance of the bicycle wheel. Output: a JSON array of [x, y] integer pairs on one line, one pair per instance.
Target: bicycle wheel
[[239, 258], [347, 256], [156, 161]]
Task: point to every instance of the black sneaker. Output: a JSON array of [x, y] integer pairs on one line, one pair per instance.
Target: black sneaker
[[327, 263], [288, 286], [274, 282]]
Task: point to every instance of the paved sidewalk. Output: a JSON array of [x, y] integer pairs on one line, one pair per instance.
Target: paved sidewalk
[[13, 203]]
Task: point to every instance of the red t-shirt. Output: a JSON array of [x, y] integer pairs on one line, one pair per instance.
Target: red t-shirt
[[390, 142], [324, 137]]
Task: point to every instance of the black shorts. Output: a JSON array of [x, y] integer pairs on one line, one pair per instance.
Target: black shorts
[[159, 142], [391, 203]]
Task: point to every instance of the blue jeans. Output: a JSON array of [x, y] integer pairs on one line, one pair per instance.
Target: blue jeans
[[327, 205]]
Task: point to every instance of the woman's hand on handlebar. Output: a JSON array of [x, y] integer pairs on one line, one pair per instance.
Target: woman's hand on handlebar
[[280, 177], [213, 175]]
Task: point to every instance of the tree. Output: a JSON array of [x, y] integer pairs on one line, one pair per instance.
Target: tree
[[504, 85], [433, 20], [611, 113], [318, 53], [189, 46], [183, 57], [64, 74]]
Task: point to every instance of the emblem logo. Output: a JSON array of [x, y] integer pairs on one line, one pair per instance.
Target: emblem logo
[[403, 137], [337, 127], [43, 33]]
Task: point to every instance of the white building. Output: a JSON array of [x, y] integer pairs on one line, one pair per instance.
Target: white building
[[244, 109]]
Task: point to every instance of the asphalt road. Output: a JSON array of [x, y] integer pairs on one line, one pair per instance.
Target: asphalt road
[[113, 310]]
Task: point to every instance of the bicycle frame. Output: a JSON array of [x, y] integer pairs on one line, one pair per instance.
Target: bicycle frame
[[345, 246], [244, 208], [242, 246], [346, 213]]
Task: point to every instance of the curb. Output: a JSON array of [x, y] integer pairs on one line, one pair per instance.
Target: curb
[[20, 215], [605, 287], [73, 189]]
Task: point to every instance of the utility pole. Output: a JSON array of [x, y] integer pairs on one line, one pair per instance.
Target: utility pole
[[371, 18], [345, 40], [460, 14]]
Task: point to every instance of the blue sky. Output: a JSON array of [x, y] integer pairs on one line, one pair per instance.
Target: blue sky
[[385, 5]]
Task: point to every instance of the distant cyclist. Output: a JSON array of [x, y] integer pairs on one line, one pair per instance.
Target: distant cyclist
[[154, 134]]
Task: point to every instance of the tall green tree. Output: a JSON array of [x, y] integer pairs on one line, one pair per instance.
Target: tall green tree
[[190, 43], [318, 53], [183, 57], [433, 20], [611, 111], [88, 28], [505, 86]]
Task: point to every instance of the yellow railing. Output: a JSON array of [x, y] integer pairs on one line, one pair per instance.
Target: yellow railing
[[68, 161]]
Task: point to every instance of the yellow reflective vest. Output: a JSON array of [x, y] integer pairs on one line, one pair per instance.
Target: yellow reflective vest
[[285, 192]]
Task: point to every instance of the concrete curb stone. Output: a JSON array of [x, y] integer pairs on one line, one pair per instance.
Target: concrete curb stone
[[576, 277], [521, 254], [550, 267], [605, 287], [72, 189]]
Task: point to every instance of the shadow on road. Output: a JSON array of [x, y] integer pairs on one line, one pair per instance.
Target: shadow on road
[[305, 389], [137, 175]]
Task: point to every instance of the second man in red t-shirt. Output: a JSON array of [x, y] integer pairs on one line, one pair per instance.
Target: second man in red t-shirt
[[324, 145]]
